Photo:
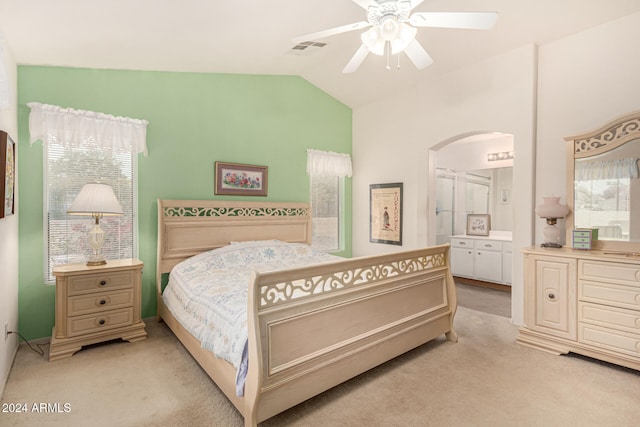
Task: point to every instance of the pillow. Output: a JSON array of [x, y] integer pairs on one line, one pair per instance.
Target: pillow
[[254, 242]]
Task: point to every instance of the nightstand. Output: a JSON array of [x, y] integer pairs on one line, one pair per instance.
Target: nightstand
[[96, 304]]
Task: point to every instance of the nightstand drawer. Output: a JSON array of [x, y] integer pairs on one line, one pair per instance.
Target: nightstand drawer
[[93, 282], [82, 325], [96, 302]]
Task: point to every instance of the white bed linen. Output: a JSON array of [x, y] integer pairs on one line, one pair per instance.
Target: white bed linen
[[207, 293]]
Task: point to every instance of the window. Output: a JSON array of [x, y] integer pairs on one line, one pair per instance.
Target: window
[[326, 212], [68, 168], [82, 147], [327, 171]]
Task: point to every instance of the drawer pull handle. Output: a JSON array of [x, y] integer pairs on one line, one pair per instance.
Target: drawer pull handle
[[103, 302], [463, 243], [488, 246], [102, 322], [103, 283], [551, 296]]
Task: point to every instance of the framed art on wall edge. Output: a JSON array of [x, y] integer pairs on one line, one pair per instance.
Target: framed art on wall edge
[[478, 224], [240, 180], [7, 174], [385, 213]]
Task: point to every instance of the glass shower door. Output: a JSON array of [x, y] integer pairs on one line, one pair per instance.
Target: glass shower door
[[445, 206]]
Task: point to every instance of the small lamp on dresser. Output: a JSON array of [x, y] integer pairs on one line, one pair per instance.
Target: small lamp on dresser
[[551, 209], [96, 200]]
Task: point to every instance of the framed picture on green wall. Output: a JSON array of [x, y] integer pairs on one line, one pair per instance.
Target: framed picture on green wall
[[241, 180]]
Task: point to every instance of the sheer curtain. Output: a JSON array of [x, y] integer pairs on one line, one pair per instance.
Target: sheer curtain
[[607, 169], [81, 147], [72, 128], [328, 163]]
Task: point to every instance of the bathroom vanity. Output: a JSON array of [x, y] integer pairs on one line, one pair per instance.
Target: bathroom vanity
[[484, 258]]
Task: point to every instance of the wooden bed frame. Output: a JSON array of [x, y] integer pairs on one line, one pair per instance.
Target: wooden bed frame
[[309, 328]]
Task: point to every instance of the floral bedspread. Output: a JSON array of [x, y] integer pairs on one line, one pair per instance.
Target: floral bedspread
[[207, 293]]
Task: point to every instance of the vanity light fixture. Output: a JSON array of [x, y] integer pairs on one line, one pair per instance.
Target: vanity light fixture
[[504, 155], [96, 200], [551, 209]]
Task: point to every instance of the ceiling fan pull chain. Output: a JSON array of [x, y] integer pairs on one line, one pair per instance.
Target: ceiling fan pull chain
[[398, 60], [388, 49]]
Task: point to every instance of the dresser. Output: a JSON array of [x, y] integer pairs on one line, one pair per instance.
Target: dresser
[[96, 304], [482, 258], [586, 302]]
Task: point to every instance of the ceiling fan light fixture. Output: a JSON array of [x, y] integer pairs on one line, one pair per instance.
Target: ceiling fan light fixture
[[389, 28], [406, 34], [373, 40]]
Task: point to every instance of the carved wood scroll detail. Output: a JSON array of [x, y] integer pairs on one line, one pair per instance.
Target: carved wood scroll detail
[[234, 212], [279, 293], [607, 137]]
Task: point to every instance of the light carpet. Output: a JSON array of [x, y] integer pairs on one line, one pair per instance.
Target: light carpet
[[485, 379]]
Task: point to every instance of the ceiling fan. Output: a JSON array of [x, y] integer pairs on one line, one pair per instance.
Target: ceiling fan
[[393, 29]]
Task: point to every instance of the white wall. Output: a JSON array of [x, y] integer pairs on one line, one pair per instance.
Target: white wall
[[392, 140], [585, 81], [539, 96], [9, 240]]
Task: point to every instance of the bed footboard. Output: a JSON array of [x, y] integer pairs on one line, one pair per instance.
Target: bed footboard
[[315, 327]]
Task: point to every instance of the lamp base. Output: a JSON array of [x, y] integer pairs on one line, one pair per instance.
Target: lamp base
[[96, 260], [550, 245]]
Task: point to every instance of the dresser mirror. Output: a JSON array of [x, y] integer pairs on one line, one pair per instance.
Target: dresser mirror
[[603, 187]]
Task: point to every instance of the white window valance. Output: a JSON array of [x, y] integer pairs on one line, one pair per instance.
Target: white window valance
[[327, 163], [71, 127], [607, 169]]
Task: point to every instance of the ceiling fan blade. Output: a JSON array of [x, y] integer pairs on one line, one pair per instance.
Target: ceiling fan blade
[[418, 55], [331, 32], [466, 20], [365, 4], [356, 60]]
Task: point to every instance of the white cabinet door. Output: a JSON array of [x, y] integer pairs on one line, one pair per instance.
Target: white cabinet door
[[488, 265], [462, 262]]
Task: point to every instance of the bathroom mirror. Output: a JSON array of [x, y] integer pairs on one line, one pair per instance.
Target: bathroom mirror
[[603, 187]]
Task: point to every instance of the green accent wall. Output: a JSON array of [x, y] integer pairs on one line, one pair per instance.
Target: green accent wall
[[194, 120]]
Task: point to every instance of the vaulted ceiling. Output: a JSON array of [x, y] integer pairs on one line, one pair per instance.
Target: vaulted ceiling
[[255, 37]]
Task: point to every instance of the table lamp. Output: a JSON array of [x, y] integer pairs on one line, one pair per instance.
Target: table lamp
[[551, 210], [96, 200]]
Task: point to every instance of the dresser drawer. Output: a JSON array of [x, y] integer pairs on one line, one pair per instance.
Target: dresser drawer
[[82, 325], [94, 282], [609, 294], [609, 272], [610, 317], [618, 341], [488, 245], [101, 301], [461, 243]]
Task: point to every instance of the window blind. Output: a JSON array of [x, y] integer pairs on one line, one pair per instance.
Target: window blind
[[68, 168]]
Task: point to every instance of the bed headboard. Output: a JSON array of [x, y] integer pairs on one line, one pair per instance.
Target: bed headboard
[[188, 227]]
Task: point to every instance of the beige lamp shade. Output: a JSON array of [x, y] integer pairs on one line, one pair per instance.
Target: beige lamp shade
[[95, 199]]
